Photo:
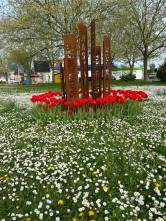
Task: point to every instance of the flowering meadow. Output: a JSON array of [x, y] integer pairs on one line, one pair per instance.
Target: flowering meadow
[[83, 169]]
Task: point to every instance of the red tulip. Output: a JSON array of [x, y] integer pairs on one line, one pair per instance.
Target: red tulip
[[70, 111], [121, 99], [67, 103], [75, 104], [39, 104]]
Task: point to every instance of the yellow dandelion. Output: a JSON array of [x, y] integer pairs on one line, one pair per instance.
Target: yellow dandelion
[[105, 188], [81, 214], [91, 213], [92, 220], [74, 219], [60, 202], [28, 219], [157, 185], [4, 178], [94, 173]]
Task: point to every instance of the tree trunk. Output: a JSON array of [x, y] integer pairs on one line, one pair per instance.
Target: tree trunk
[[145, 68], [132, 66], [29, 71], [131, 62], [6, 77]]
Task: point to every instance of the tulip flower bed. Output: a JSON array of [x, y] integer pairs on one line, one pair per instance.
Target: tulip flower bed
[[99, 169], [51, 105]]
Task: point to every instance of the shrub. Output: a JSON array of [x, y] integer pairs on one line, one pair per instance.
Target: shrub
[[2, 82], [161, 73], [128, 77]]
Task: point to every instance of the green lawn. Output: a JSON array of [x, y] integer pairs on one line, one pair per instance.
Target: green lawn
[[35, 88], [56, 87]]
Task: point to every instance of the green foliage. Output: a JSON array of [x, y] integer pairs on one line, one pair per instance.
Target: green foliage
[[126, 110], [161, 73], [2, 82], [128, 77], [21, 57]]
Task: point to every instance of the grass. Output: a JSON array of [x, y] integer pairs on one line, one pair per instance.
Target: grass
[[104, 169], [34, 88], [7, 106], [56, 87], [138, 83]]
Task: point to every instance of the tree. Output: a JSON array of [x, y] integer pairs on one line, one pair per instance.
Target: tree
[[146, 27], [128, 52], [122, 48], [42, 24], [4, 67], [20, 57], [161, 73]]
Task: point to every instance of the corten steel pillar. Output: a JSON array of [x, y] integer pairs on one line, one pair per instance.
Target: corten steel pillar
[[98, 71], [62, 76], [84, 60], [70, 63], [106, 65], [93, 60]]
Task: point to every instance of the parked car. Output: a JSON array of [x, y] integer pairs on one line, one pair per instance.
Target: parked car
[[113, 77], [153, 78], [14, 81]]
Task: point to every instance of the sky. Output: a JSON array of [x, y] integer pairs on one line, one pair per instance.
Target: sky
[[158, 61]]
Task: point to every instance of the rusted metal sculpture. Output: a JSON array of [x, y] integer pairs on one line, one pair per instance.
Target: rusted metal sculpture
[[106, 65], [98, 79], [70, 62], [84, 60], [93, 60]]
